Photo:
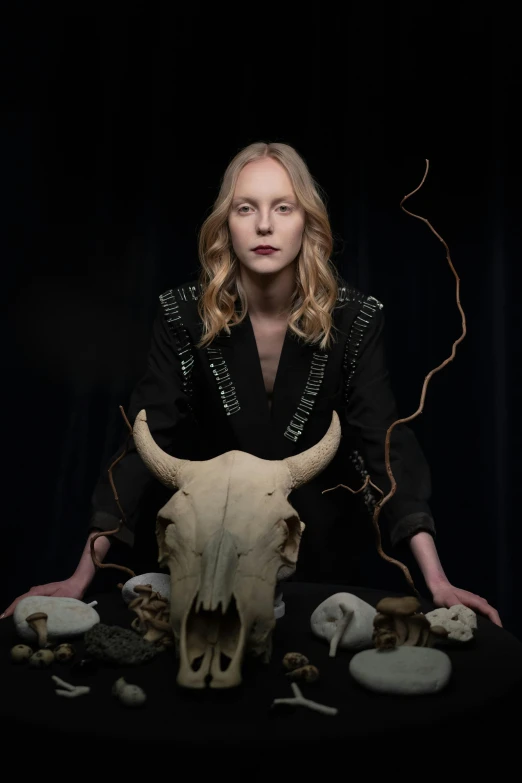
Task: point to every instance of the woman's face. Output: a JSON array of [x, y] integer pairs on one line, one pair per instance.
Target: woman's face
[[265, 211]]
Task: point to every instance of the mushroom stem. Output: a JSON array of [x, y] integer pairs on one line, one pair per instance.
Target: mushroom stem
[[342, 625], [38, 622]]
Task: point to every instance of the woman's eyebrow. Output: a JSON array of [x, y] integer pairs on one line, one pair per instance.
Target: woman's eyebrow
[[238, 199]]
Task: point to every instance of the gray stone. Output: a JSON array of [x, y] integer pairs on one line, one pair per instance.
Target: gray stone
[[66, 617], [402, 670]]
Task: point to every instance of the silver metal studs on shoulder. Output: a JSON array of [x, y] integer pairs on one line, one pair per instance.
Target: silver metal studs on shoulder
[[181, 337], [189, 291], [359, 328]]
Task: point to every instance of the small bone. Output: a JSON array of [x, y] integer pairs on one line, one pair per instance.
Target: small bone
[[62, 683], [68, 690], [342, 625], [300, 701], [78, 690], [93, 603]]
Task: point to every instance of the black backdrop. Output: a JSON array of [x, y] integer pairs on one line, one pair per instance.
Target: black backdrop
[[116, 128]]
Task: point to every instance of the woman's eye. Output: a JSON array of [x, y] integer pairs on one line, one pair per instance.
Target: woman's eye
[[244, 209]]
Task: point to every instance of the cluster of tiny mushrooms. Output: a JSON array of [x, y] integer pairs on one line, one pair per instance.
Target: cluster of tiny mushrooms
[[152, 621]]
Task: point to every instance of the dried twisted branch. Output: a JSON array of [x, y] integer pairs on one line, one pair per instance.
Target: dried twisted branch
[[98, 563], [383, 500]]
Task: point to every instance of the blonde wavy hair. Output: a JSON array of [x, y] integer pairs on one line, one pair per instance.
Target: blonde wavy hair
[[316, 281]]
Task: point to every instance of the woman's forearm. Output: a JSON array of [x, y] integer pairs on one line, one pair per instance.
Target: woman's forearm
[[425, 553], [86, 569]]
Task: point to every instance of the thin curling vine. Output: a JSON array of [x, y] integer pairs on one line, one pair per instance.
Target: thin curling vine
[[381, 502], [98, 563]]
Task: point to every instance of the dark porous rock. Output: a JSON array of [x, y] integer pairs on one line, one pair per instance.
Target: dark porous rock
[[116, 645]]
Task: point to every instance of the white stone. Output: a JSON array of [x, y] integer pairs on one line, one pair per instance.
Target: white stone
[[459, 621], [345, 621], [66, 617], [160, 583], [403, 670]]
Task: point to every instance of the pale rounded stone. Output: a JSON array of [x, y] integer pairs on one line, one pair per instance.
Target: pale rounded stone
[[464, 614], [66, 617], [459, 621], [160, 583], [403, 670], [348, 614]]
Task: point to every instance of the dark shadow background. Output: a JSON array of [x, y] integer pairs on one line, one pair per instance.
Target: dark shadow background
[[116, 129]]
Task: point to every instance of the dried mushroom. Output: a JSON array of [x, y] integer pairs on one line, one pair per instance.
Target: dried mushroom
[[398, 622]]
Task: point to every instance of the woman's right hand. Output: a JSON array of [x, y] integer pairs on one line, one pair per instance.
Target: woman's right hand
[[69, 588]]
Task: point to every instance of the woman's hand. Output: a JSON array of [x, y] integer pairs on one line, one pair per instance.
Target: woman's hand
[[444, 594], [69, 588]]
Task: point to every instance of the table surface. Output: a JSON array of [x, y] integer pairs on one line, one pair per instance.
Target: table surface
[[486, 679]]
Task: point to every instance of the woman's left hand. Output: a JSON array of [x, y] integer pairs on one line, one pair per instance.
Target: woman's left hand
[[444, 594]]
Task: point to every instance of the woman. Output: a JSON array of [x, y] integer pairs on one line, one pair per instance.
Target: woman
[[255, 356]]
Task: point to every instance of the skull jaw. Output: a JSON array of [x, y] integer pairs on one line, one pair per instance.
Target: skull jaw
[[206, 637], [210, 670]]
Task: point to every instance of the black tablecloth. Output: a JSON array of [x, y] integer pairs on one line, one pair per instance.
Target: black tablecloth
[[480, 704]]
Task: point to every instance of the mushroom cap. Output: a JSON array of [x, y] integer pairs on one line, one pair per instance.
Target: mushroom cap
[[36, 616], [404, 605]]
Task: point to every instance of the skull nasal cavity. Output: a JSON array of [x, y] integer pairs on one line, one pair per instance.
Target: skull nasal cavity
[[218, 572]]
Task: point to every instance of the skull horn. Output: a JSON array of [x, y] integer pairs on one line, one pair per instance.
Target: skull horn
[[164, 467], [307, 465]]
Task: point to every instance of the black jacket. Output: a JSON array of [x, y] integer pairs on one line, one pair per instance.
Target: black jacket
[[204, 402]]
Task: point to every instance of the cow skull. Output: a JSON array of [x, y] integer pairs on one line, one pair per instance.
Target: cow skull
[[227, 535]]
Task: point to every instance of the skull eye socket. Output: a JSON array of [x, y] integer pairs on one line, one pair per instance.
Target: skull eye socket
[[290, 546]]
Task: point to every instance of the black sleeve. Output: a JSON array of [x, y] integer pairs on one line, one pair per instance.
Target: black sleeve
[[160, 393], [370, 410]]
